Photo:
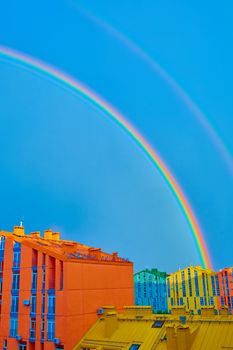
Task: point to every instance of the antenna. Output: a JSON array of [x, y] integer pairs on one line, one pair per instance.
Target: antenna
[[21, 222]]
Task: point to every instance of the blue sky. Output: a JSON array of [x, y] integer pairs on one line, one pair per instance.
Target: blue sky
[[65, 165]]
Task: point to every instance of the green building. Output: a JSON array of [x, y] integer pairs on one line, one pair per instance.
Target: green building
[[150, 289]]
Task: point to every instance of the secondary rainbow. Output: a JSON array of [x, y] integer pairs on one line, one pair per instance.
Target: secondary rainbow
[[195, 110], [67, 81]]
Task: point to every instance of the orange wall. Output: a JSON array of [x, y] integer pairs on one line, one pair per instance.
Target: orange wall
[[87, 286]]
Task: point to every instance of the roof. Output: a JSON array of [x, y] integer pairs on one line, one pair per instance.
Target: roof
[[198, 268], [65, 250], [153, 271], [179, 331]]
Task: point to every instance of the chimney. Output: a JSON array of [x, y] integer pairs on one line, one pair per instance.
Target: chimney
[[171, 338], [96, 252], [19, 230], [111, 324], [178, 310], [56, 236], [207, 311], [183, 338], [108, 309], [48, 234], [224, 311], [35, 234], [115, 256]]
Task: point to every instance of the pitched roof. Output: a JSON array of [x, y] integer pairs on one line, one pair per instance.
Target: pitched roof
[[137, 325]]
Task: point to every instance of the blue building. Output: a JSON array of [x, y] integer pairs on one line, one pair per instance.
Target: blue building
[[150, 289]]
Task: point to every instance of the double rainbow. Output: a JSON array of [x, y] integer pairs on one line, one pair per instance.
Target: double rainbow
[[67, 81]]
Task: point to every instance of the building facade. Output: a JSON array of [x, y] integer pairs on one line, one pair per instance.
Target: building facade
[[225, 278], [194, 288], [52, 290], [150, 289]]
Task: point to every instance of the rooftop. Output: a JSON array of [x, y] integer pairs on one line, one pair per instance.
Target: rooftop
[[51, 243], [154, 272], [139, 328]]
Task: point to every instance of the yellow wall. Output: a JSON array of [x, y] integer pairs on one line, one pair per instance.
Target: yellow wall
[[197, 294]]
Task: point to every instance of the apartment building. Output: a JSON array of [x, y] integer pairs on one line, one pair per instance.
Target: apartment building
[[150, 289], [193, 288], [53, 290]]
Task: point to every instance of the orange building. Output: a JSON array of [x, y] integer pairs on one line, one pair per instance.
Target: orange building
[[52, 290], [225, 287]]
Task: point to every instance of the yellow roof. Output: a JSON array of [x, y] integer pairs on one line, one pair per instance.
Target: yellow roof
[[137, 325]]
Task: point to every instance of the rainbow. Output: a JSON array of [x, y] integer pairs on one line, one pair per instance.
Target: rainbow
[[67, 81], [169, 80]]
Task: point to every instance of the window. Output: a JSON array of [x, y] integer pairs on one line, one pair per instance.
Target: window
[[43, 277], [52, 273], [1, 268], [177, 288], [17, 246], [2, 243], [158, 324], [61, 275], [183, 284], [13, 327], [0, 290], [207, 284], [51, 304], [15, 281], [33, 328], [195, 302], [168, 288], [42, 328], [190, 282], [16, 259], [51, 330], [22, 346], [135, 347], [217, 285], [203, 283], [15, 303], [34, 257], [34, 279], [2, 246], [196, 283], [43, 304], [33, 304], [213, 286]]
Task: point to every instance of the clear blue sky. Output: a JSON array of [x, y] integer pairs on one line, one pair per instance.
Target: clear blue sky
[[65, 166]]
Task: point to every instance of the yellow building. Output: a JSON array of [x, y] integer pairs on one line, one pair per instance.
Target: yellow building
[[194, 288], [139, 329]]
